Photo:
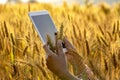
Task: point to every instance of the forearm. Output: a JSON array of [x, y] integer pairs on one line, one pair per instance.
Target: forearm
[[83, 71]]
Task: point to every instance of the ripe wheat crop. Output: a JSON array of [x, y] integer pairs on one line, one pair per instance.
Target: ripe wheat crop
[[93, 29]]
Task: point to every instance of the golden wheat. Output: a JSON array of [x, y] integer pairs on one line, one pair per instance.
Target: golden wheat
[[94, 30]]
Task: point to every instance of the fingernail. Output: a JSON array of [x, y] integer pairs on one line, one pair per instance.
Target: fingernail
[[59, 42]]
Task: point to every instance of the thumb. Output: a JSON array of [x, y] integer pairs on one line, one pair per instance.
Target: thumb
[[47, 50], [59, 47]]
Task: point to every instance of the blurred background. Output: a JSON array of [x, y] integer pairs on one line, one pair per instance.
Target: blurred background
[[93, 26], [60, 1]]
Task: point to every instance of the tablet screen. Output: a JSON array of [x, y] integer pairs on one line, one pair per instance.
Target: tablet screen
[[44, 25]]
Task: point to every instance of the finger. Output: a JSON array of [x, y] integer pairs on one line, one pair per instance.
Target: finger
[[59, 46], [47, 50], [68, 45]]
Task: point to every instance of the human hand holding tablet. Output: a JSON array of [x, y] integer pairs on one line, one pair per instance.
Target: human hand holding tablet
[[57, 63]]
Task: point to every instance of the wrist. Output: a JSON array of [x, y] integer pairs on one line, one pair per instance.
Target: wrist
[[68, 76]]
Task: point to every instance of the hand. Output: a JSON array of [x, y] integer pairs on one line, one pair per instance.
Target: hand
[[57, 62], [75, 58], [71, 53]]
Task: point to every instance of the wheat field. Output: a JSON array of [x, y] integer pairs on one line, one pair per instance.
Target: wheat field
[[93, 29]]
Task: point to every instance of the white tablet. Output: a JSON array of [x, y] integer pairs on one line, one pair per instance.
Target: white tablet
[[43, 24]]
